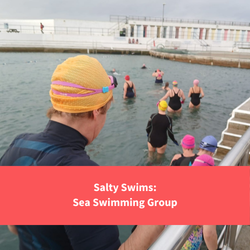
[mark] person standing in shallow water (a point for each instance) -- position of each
(175, 96)
(158, 76)
(80, 102)
(188, 156)
(195, 93)
(166, 87)
(158, 127)
(129, 90)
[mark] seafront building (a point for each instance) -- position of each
(122, 33)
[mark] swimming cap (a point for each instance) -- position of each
(209, 143)
(80, 71)
(188, 141)
(158, 70)
(175, 82)
(203, 160)
(163, 105)
(196, 82)
(127, 78)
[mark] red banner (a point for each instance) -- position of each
(127, 195)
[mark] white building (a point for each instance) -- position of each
(126, 33)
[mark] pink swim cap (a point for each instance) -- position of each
(127, 78)
(204, 160)
(196, 82)
(188, 141)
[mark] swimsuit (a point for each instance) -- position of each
(57, 145)
(175, 102)
(184, 161)
(195, 98)
(159, 128)
(130, 92)
(158, 80)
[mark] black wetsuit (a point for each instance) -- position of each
(195, 98)
(184, 161)
(143, 67)
(130, 92)
(158, 129)
(175, 102)
(57, 145)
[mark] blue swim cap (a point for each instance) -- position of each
(209, 143)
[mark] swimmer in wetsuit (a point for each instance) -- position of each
(158, 74)
(187, 157)
(175, 95)
(129, 90)
(63, 143)
(195, 93)
(159, 126)
(143, 66)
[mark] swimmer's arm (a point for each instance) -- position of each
(210, 236)
(148, 128)
(176, 157)
(162, 73)
(183, 96)
(165, 96)
(190, 92)
(124, 90)
(202, 93)
(13, 229)
(142, 238)
(154, 74)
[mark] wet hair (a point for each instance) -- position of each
(53, 112)
(166, 85)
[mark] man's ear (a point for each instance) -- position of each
(96, 112)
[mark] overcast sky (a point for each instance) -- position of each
(227, 10)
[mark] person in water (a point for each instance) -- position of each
(166, 87)
(129, 90)
(80, 101)
(196, 93)
(208, 145)
(158, 127)
(113, 71)
(188, 156)
(143, 66)
(175, 96)
(158, 76)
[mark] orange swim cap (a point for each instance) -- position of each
(86, 72)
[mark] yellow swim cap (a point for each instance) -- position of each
(163, 105)
(74, 82)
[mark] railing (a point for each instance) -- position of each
(174, 20)
(239, 154)
(185, 35)
(174, 237)
(35, 29)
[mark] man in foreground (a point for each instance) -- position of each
(81, 94)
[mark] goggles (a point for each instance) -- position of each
(198, 160)
(206, 145)
(95, 91)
